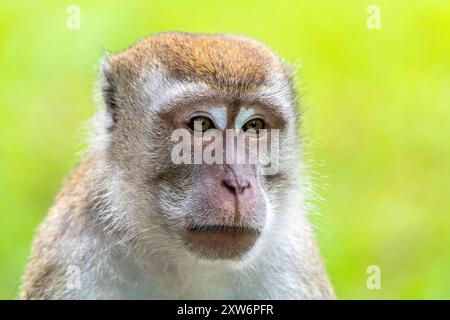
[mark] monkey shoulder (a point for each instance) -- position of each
(64, 238)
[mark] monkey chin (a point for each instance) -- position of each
(221, 242)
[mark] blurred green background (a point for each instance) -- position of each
(377, 119)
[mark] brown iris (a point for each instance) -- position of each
(202, 123)
(255, 125)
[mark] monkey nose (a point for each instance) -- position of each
(236, 186)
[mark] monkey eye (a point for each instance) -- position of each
(254, 125)
(200, 124)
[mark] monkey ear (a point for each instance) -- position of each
(109, 89)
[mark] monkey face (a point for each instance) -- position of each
(224, 208)
(185, 124)
(229, 210)
(202, 168)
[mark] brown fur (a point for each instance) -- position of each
(66, 219)
(221, 61)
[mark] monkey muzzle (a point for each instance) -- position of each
(231, 212)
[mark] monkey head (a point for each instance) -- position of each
(205, 88)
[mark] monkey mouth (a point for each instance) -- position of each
(222, 228)
(221, 241)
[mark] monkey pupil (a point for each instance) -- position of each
(204, 122)
(255, 125)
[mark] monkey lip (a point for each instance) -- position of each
(221, 241)
(222, 228)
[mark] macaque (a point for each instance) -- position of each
(142, 216)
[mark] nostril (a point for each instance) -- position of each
(236, 186)
(230, 185)
(245, 184)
